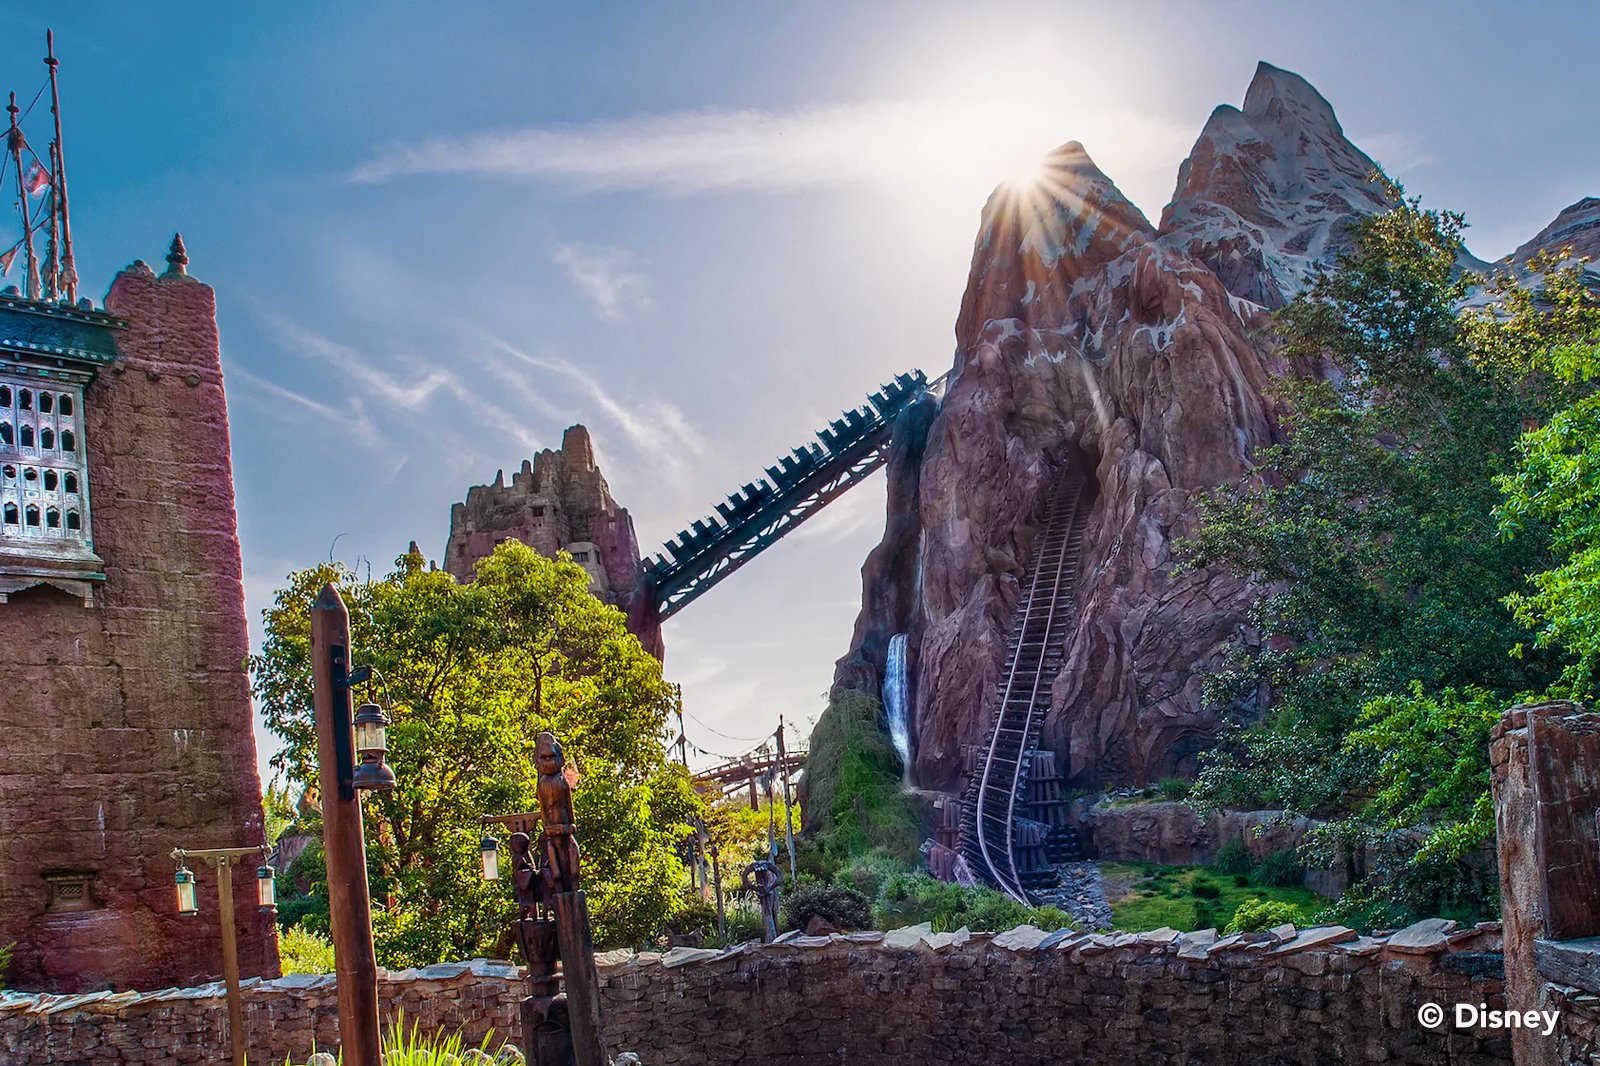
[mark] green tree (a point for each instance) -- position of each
(1372, 525)
(1556, 483)
(472, 673)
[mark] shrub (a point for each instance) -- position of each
(912, 898)
(867, 874)
(302, 951)
(844, 907)
(1256, 915)
(1241, 880)
(744, 923)
(855, 799)
(1233, 858)
(5, 961)
(1205, 915)
(1173, 788)
(1280, 870)
(695, 915)
(1207, 890)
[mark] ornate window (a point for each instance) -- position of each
(49, 354)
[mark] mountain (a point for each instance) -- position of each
(1135, 358)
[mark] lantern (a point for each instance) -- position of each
(372, 745)
(489, 852)
(266, 889)
(188, 907)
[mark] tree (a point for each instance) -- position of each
(1556, 483)
(1384, 640)
(472, 673)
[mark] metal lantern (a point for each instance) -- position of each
(372, 744)
(188, 906)
(266, 889)
(489, 852)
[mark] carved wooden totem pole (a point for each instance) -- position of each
(764, 877)
(560, 1027)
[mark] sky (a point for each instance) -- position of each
(439, 234)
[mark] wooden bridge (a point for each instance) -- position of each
(749, 770)
(795, 488)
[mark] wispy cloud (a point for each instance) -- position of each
(1395, 152)
(355, 420)
(607, 276)
(411, 395)
(655, 429)
(891, 143)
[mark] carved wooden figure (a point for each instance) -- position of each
(557, 839)
(764, 877)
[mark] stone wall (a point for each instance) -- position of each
(911, 997)
(1545, 768)
(1174, 834)
(127, 723)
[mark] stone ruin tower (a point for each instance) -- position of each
(558, 501)
(124, 702)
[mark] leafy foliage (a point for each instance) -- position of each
(1147, 896)
(5, 961)
(1556, 483)
(473, 672)
(1384, 641)
(1233, 857)
(302, 951)
(403, 1048)
(1280, 870)
(853, 780)
(1259, 915)
(843, 907)
(913, 897)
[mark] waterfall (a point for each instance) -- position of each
(895, 700)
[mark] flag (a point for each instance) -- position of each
(6, 258)
(37, 179)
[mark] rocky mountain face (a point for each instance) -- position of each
(1577, 227)
(1136, 356)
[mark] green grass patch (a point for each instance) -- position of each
(1148, 896)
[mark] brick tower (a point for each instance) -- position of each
(125, 726)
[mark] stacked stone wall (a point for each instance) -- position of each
(1314, 996)
(127, 724)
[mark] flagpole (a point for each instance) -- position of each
(14, 138)
(69, 271)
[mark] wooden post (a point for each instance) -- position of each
(230, 960)
(716, 873)
(788, 813)
(581, 978)
(354, 962)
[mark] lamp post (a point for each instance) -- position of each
(223, 860)
(340, 737)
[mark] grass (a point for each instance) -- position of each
(1147, 896)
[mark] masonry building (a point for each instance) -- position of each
(124, 702)
(559, 501)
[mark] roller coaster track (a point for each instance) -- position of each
(795, 488)
(1035, 645)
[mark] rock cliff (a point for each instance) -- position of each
(1138, 357)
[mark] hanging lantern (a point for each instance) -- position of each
(372, 744)
(489, 852)
(188, 906)
(266, 889)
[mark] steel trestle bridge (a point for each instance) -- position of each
(795, 488)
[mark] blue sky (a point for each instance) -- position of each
(441, 233)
